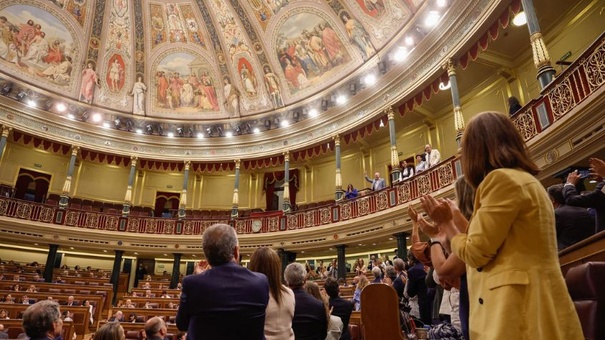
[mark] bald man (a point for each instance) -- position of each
(432, 156)
(155, 328)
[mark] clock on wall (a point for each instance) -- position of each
(257, 225)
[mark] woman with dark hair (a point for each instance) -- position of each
(110, 331)
(513, 105)
(351, 192)
(280, 310)
(516, 289)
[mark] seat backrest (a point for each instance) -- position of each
(132, 335)
(380, 313)
(585, 283)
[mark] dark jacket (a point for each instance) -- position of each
(594, 199)
(573, 224)
(343, 309)
(310, 320)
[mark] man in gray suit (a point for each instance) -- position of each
(377, 183)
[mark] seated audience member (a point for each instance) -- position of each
(118, 316)
(225, 295)
(594, 199)
(573, 224)
(310, 319)
(351, 192)
(70, 301)
(16, 288)
(8, 298)
(110, 331)
(128, 304)
(513, 105)
(148, 294)
(420, 163)
(132, 318)
(407, 171)
(25, 300)
(32, 289)
(280, 310)
(37, 278)
(42, 320)
(3, 332)
(155, 329)
(341, 282)
(165, 295)
(16, 277)
(68, 316)
(335, 324)
(377, 275)
(146, 285)
(339, 306)
(58, 280)
(3, 314)
(142, 334)
(147, 305)
(311, 274)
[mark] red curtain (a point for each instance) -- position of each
(269, 186)
(24, 180)
(160, 202)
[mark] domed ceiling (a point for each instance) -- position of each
(194, 60)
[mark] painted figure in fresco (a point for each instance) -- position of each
(115, 75)
(231, 94)
(55, 55)
(186, 94)
(358, 36)
(318, 49)
(162, 87)
(27, 32)
(272, 84)
(38, 48)
(138, 93)
(248, 81)
(89, 80)
(58, 72)
(176, 83)
(207, 88)
(332, 43)
(375, 5)
(295, 74)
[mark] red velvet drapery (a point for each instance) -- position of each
(25, 178)
(160, 202)
(269, 185)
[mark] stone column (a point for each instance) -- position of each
(5, 131)
(50, 262)
(284, 256)
(342, 263)
(115, 274)
(176, 265)
(287, 205)
(64, 200)
(402, 247)
(234, 209)
(395, 170)
(546, 73)
(339, 193)
(128, 196)
(450, 66)
(183, 202)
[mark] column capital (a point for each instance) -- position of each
(187, 164)
(390, 112)
(238, 163)
(74, 150)
(336, 139)
(450, 67)
(6, 130)
(133, 161)
(286, 156)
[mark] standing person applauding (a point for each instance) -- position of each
(516, 289)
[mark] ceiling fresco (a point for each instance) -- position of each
(194, 59)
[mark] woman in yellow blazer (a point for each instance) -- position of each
(516, 289)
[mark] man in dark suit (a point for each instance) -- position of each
(310, 321)
(594, 199)
(399, 283)
(377, 183)
(340, 307)
(70, 301)
(226, 301)
(573, 223)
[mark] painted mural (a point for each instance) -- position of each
(184, 83)
(232, 33)
(115, 76)
(309, 51)
(37, 43)
(174, 23)
(76, 8)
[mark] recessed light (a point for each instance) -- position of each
(520, 19)
(390, 239)
(170, 134)
(106, 125)
(341, 99)
(165, 254)
(71, 248)
(400, 54)
(96, 117)
(441, 3)
(104, 250)
(409, 40)
(256, 130)
(31, 103)
(285, 123)
(136, 253)
(70, 116)
(313, 113)
(229, 134)
(407, 238)
(139, 131)
(194, 255)
(370, 79)
(61, 107)
(200, 135)
(35, 244)
(432, 19)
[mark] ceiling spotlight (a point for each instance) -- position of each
(432, 19)
(382, 67)
(7, 88)
(285, 123)
(520, 19)
(129, 125)
(276, 121)
(96, 117)
(61, 107)
(179, 131)
(324, 104)
(341, 99)
(149, 128)
(370, 79)
(296, 116)
(160, 130)
(409, 40)
(209, 132)
(190, 131)
(219, 130)
(21, 95)
(139, 131)
(400, 54)
(256, 130)
(268, 124)
(229, 134)
(117, 123)
(441, 3)
(31, 103)
(353, 88)
(70, 116)
(170, 134)
(200, 135)
(313, 113)
(106, 125)
(238, 130)
(248, 128)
